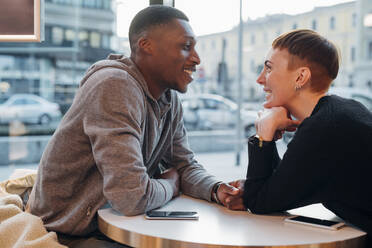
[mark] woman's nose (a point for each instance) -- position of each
(261, 78)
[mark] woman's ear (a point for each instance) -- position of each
(303, 76)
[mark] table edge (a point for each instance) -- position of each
(135, 239)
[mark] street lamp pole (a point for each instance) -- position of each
(240, 58)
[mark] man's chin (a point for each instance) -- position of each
(182, 89)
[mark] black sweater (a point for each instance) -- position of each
(328, 161)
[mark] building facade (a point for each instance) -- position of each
(77, 33)
(341, 23)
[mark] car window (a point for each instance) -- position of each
(211, 104)
(18, 102)
(3, 99)
(31, 101)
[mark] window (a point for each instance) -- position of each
(332, 23)
(95, 39)
(17, 102)
(31, 101)
(89, 3)
(107, 4)
(99, 4)
(253, 66)
(354, 19)
(57, 35)
(314, 25)
(48, 33)
(83, 38)
(54, 73)
(352, 54)
(224, 43)
(253, 39)
(106, 41)
(70, 34)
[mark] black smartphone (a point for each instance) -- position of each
(171, 215)
(327, 224)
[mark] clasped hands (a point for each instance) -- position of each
(270, 125)
(230, 195)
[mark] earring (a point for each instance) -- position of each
(297, 87)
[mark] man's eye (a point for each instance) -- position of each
(187, 47)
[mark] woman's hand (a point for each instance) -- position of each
(271, 123)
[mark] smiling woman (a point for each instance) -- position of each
(323, 154)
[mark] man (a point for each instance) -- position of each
(123, 130)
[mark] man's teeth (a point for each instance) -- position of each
(188, 71)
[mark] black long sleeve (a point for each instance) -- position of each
(328, 161)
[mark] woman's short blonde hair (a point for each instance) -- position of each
(308, 48)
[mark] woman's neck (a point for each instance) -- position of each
(303, 105)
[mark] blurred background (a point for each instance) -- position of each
(38, 81)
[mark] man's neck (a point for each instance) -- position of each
(153, 86)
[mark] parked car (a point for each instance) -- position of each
(28, 108)
(360, 95)
(210, 112)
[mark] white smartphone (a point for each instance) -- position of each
(327, 224)
(171, 215)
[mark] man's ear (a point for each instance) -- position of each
(303, 76)
(145, 45)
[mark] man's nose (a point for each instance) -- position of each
(195, 58)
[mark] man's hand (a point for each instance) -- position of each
(172, 176)
(235, 202)
(225, 191)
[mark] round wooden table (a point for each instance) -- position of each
(220, 227)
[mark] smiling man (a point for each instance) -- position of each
(123, 143)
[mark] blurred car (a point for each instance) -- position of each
(28, 108)
(360, 95)
(211, 112)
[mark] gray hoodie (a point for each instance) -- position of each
(107, 148)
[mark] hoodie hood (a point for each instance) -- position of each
(121, 62)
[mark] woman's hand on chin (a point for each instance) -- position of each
(271, 123)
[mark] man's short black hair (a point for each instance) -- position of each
(151, 16)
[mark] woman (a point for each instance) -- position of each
(329, 160)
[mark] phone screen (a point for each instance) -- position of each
(155, 214)
(314, 221)
(327, 224)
